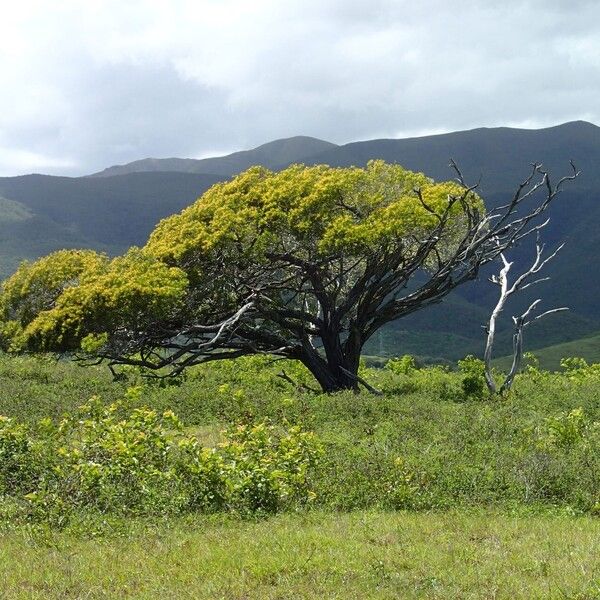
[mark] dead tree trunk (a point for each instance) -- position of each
(522, 282)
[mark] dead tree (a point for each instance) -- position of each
(507, 289)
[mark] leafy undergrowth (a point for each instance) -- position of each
(136, 461)
(433, 440)
(367, 555)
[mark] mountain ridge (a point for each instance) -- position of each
(294, 149)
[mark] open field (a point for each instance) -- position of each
(426, 491)
(450, 555)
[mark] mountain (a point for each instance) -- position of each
(271, 155)
(40, 213)
(120, 206)
(500, 155)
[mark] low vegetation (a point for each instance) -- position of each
(366, 554)
(432, 489)
(233, 431)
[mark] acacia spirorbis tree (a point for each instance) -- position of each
(306, 263)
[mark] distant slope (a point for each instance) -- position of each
(550, 357)
(499, 155)
(39, 213)
(454, 328)
(25, 235)
(271, 155)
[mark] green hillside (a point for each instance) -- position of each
(25, 235)
(587, 348)
(40, 214)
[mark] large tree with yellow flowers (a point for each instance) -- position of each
(306, 263)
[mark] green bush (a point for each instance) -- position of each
(265, 468)
(578, 370)
(19, 467)
(407, 488)
(473, 380)
(138, 461)
(568, 429)
(402, 366)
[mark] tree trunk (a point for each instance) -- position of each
(335, 371)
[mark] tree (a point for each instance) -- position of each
(525, 280)
(306, 264)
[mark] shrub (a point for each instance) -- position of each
(535, 448)
(407, 488)
(473, 379)
(567, 429)
(139, 461)
(266, 468)
(562, 461)
(402, 366)
(18, 467)
(578, 370)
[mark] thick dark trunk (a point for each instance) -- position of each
(337, 370)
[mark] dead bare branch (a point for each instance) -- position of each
(521, 282)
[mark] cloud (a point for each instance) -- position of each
(86, 85)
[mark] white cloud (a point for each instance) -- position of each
(24, 160)
(89, 84)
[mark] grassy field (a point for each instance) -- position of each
(359, 555)
(427, 491)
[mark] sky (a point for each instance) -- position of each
(86, 85)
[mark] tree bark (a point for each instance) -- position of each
(336, 371)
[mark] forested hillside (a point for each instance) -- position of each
(40, 213)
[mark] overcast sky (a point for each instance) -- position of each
(85, 85)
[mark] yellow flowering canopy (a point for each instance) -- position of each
(314, 211)
(69, 295)
(34, 288)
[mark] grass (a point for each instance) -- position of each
(316, 555)
(498, 509)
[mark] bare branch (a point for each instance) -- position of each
(521, 282)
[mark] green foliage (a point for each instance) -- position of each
(266, 469)
(18, 458)
(577, 369)
(308, 204)
(403, 365)
(567, 429)
(112, 458)
(35, 288)
(407, 488)
(473, 381)
(69, 296)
